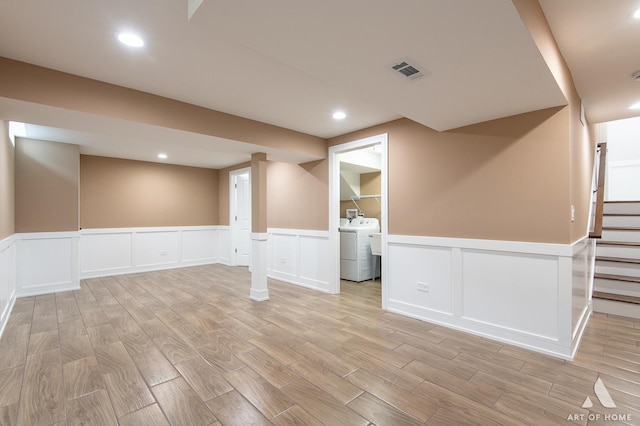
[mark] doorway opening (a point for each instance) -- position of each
(362, 162)
(240, 216)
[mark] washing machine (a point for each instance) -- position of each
(355, 248)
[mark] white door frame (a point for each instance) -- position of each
(233, 205)
(334, 208)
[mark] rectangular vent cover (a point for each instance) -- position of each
(408, 68)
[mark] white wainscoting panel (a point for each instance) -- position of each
(104, 253)
(156, 249)
(299, 257)
(514, 291)
(421, 266)
(199, 245)
(313, 260)
(128, 250)
(583, 268)
(284, 250)
(7, 279)
(46, 262)
(224, 245)
(525, 294)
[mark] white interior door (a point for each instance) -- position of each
(241, 216)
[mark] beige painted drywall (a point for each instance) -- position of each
(116, 193)
(46, 186)
(7, 194)
(31, 83)
(259, 192)
(582, 143)
(470, 182)
(506, 179)
(298, 195)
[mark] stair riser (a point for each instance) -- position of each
(625, 221)
(616, 308)
(622, 208)
(618, 251)
(618, 268)
(622, 235)
(616, 287)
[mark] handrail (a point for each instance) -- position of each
(597, 223)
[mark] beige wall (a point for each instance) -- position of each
(582, 145)
(513, 179)
(298, 195)
(117, 193)
(7, 196)
(505, 179)
(370, 184)
(46, 186)
(259, 192)
(31, 83)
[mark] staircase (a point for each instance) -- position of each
(616, 288)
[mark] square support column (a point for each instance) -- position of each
(259, 291)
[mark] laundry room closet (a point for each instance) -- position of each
(360, 214)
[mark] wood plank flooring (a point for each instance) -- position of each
(188, 347)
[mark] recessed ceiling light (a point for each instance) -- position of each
(339, 115)
(637, 14)
(162, 156)
(131, 39)
(635, 106)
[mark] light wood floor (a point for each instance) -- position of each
(188, 347)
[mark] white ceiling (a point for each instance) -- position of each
(599, 41)
(290, 64)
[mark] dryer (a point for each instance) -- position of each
(355, 248)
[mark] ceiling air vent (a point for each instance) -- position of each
(408, 68)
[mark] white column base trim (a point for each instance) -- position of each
(259, 291)
(259, 295)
